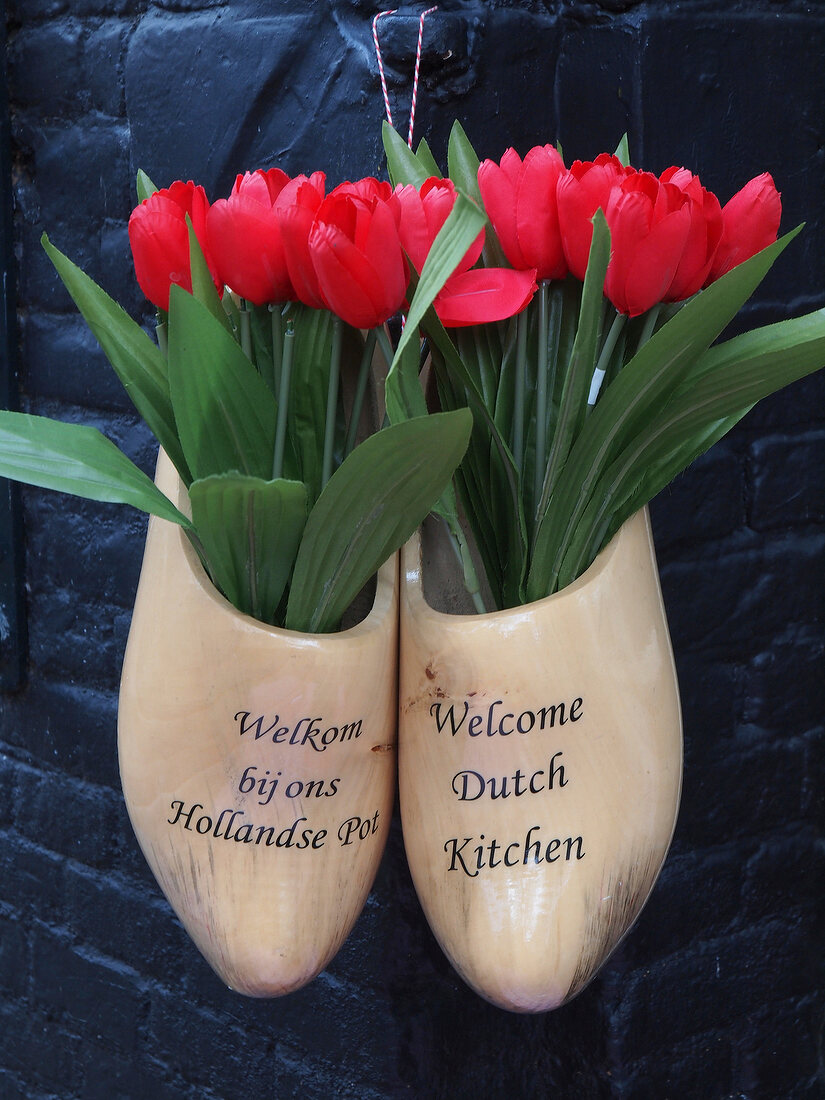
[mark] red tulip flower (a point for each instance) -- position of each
(358, 260)
(295, 210)
(585, 188)
(245, 238)
(469, 297)
(520, 200)
(159, 238)
(750, 222)
(649, 224)
(703, 235)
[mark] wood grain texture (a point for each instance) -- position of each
(268, 878)
(540, 762)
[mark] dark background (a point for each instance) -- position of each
(717, 993)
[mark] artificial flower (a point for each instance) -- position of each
(357, 257)
(159, 237)
(649, 223)
(703, 235)
(520, 200)
(469, 297)
(581, 191)
(750, 222)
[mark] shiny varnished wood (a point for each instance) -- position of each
(540, 762)
(268, 878)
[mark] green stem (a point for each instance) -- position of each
(332, 398)
(541, 393)
(385, 345)
(468, 569)
(360, 390)
(277, 341)
(283, 403)
(604, 357)
(522, 323)
(162, 333)
(651, 318)
(549, 328)
(246, 331)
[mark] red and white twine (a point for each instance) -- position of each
(380, 15)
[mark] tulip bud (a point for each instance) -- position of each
(159, 238)
(520, 200)
(750, 222)
(245, 238)
(703, 235)
(357, 256)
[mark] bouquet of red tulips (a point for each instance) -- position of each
(266, 301)
(579, 377)
(605, 386)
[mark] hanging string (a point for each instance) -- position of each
(424, 15)
(380, 15)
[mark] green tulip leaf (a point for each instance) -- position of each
(144, 186)
(632, 400)
(224, 410)
(203, 285)
(454, 238)
(720, 388)
(462, 166)
(77, 459)
(402, 164)
(623, 151)
(308, 391)
(250, 530)
(137, 361)
(427, 160)
(579, 373)
(369, 507)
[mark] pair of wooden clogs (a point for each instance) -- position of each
(539, 768)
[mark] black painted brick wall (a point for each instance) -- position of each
(718, 991)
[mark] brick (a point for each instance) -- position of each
(783, 690)
(67, 363)
(605, 109)
(787, 479)
(686, 1070)
(35, 1047)
(55, 812)
(44, 67)
(96, 996)
(136, 927)
(14, 957)
(755, 590)
(126, 1077)
(32, 879)
(69, 728)
(742, 795)
(706, 502)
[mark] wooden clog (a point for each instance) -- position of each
(540, 762)
(258, 765)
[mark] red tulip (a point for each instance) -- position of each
(468, 297)
(581, 191)
(357, 256)
(245, 238)
(295, 210)
(703, 235)
(159, 238)
(422, 213)
(649, 223)
(750, 222)
(520, 199)
(368, 188)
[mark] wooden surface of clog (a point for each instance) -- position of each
(540, 753)
(258, 765)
